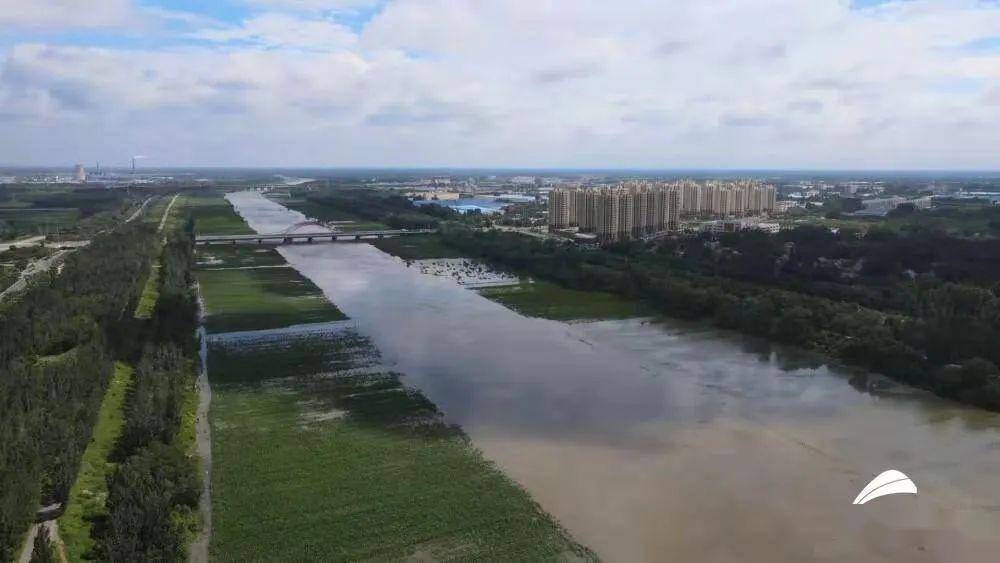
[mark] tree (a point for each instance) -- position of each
(43, 551)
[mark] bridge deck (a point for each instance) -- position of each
(289, 238)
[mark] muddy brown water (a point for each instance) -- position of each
(660, 441)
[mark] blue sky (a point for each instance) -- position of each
(635, 83)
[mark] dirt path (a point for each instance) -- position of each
(203, 437)
(166, 214)
(29, 543)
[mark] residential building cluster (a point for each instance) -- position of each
(720, 200)
(635, 209)
(628, 210)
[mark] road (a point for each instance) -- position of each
(139, 211)
(44, 264)
(30, 241)
(34, 268)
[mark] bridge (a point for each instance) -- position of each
(308, 237)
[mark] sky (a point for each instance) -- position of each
(825, 84)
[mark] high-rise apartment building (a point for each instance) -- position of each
(639, 208)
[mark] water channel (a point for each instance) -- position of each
(654, 441)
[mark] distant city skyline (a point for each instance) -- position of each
(861, 85)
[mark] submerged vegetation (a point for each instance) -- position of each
(342, 447)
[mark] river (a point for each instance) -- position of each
(655, 441)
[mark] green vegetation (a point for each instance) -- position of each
(89, 493)
(417, 247)
(57, 344)
(894, 311)
(243, 290)
(213, 215)
(154, 492)
(14, 260)
(61, 405)
(150, 292)
(253, 299)
(957, 219)
(321, 456)
(61, 211)
(237, 256)
(382, 207)
(551, 301)
(324, 213)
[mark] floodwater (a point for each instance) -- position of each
(660, 441)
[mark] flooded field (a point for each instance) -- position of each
(665, 441)
(320, 452)
(465, 272)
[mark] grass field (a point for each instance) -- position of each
(150, 293)
(89, 492)
(214, 215)
(550, 301)
(417, 247)
(320, 455)
(254, 299)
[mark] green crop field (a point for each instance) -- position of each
(89, 492)
(319, 455)
(241, 285)
(550, 301)
(417, 247)
(214, 215)
(253, 299)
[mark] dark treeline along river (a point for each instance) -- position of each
(665, 441)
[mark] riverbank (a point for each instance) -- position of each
(321, 452)
(527, 296)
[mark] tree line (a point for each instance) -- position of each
(153, 494)
(57, 345)
(944, 341)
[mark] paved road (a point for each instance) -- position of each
(32, 270)
(30, 241)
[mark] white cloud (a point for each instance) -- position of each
(314, 5)
(532, 82)
(65, 13)
(281, 31)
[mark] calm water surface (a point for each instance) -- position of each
(662, 441)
